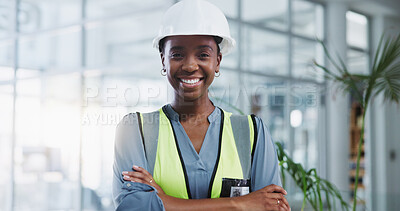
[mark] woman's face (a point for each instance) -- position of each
(191, 62)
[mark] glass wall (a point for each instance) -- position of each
(6, 132)
(80, 66)
(7, 58)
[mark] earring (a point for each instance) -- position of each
(217, 74)
(163, 72)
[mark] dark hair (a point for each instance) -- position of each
(217, 39)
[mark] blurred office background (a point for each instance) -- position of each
(71, 69)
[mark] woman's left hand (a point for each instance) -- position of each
(142, 176)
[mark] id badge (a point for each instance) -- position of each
(239, 191)
(234, 187)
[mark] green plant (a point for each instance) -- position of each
(384, 78)
(310, 183)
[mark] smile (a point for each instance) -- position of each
(190, 81)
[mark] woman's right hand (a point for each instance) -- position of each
(141, 175)
(270, 197)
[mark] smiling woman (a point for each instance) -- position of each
(190, 149)
(191, 62)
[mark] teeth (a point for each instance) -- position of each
(191, 81)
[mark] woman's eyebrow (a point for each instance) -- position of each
(177, 48)
(205, 46)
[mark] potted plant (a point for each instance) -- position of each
(384, 77)
(315, 189)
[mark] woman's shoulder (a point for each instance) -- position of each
(131, 119)
(128, 119)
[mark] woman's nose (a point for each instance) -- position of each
(190, 64)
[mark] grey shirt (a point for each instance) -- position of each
(199, 166)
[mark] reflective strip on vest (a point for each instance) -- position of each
(229, 164)
(251, 128)
(169, 172)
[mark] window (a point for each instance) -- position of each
(357, 41)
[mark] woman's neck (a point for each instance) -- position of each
(193, 109)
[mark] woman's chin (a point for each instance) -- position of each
(189, 97)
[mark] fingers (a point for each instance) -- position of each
(285, 202)
(139, 175)
(281, 198)
(276, 189)
(285, 207)
(275, 196)
(281, 206)
(142, 176)
(140, 169)
(276, 193)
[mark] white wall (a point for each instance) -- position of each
(392, 146)
(385, 133)
(337, 103)
(392, 156)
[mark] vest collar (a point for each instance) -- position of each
(173, 115)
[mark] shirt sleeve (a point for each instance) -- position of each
(128, 151)
(265, 168)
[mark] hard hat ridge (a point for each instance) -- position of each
(196, 17)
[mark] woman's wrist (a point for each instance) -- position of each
(235, 203)
(219, 204)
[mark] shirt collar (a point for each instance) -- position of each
(173, 115)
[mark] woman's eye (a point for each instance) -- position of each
(176, 55)
(204, 55)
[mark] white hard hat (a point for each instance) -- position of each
(196, 17)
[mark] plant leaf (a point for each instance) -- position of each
(389, 83)
(330, 59)
(389, 53)
(309, 182)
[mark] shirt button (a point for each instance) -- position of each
(129, 184)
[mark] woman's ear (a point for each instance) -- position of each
(162, 59)
(219, 58)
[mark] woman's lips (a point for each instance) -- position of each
(191, 83)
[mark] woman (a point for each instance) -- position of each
(181, 154)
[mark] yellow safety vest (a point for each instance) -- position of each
(235, 153)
